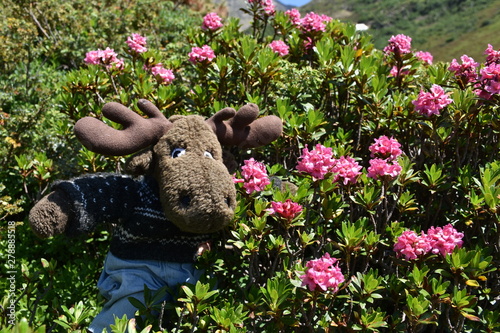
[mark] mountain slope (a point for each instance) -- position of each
(446, 28)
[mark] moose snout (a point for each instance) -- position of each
(200, 198)
(203, 212)
(186, 199)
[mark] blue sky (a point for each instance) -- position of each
(296, 3)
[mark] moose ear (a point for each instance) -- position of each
(140, 163)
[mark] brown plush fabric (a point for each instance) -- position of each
(196, 190)
(50, 215)
(140, 163)
(137, 132)
(242, 129)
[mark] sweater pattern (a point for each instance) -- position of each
(141, 230)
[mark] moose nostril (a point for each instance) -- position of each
(185, 200)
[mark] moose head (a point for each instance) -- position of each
(183, 154)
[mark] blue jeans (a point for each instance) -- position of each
(121, 279)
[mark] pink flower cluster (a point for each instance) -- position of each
(411, 246)
(400, 44)
(467, 71)
(443, 240)
(317, 162)
(424, 56)
(490, 79)
(106, 57)
(490, 75)
(386, 148)
(280, 47)
(384, 152)
(487, 82)
(163, 75)
(137, 43)
(255, 176)
(294, 16)
(322, 274)
(267, 5)
(211, 22)
(492, 55)
(201, 54)
(346, 170)
(429, 103)
(312, 22)
(381, 168)
(287, 210)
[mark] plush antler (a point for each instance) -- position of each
(137, 132)
(243, 129)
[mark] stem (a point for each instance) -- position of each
(385, 205)
(310, 317)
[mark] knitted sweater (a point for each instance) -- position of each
(142, 230)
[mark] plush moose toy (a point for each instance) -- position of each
(178, 194)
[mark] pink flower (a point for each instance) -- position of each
(308, 43)
(106, 57)
(279, 47)
(492, 55)
(137, 43)
(444, 240)
(322, 274)
(165, 76)
(386, 148)
(326, 18)
(411, 246)
(429, 103)
(490, 78)
(396, 71)
(255, 176)
(346, 169)
(317, 162)
(201, 54)
(287, 210)
(399, 44)
(467, 71)
(424, 56)
(380, 168)
(267, 5)
(212, 22)
(314, 22)
(93, 57)
(437, 240)
(294, 16)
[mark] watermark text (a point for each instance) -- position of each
(11, 272)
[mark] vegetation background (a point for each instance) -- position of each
(339, 94)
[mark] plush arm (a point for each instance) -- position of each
(78, 205)
(51, 214)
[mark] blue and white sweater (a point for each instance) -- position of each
(142, 231)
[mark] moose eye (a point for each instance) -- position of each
(177, 152)
(208, 154)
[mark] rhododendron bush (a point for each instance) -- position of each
(377, 210)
